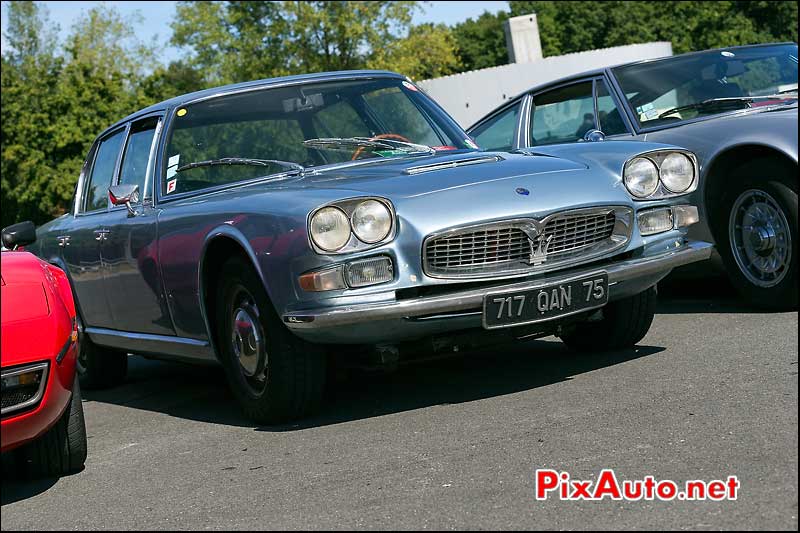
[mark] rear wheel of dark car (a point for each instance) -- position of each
(624, 323)
(100, 367)
(756, 233)
(62, 449)
(275, 376)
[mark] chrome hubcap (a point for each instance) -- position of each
(248, 343)
(760, 238)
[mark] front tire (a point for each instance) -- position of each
(757, 236)
(625, 322)
(62, 450)
(275, 376)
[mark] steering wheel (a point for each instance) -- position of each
(395, 136)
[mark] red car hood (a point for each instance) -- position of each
(31, 330)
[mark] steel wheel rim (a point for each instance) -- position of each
(760, 237)
(248, 343)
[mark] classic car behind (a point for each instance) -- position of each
(42, 426)
(258, 224)
(735, 108)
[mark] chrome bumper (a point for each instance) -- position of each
(625, 278)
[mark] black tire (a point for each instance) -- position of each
(62, 450)
(100, 367)
(287, 383)
(767, 178)
(625, 322)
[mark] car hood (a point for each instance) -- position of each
(24, 293)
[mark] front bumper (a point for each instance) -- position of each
(397, 320)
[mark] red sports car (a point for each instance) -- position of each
(42, 416)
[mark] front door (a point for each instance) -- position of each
(129, 251)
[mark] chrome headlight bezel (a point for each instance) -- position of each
(354, 243)
(657, 157)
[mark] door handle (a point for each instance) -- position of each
(101, 234)
(63, 240)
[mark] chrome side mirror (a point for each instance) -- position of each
(594, 135)
(124, 195)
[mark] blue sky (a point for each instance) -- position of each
(158, 15)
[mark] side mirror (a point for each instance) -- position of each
(594, 135)
(126, 195)
(20, 234)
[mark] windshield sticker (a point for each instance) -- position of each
(182, 111)
(444, 148)
(174, 160)
(651, 114)
(171, 185)
(410, 86)
(171, 171)
(643, 109)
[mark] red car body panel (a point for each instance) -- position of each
(38, 322)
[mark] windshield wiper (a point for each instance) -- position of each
(333, 143)
(243, 161)
(732, 101)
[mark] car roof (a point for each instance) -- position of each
(601, 71)
(255, 84)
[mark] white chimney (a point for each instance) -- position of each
(522, 39)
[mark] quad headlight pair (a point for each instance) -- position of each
(351, 225)
(660, 174)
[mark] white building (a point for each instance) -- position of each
(470, 95)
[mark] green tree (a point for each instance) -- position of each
(566, 27)
(53, 104)
(481, 43)
(237, 41)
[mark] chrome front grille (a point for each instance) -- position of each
(572, 232)
(525, 245)
(474, 249)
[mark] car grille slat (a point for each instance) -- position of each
(498, 248)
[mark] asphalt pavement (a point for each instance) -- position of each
(454, 444)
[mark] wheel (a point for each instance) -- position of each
(275, 376)
(100, 367)
(625, 322)
(757, 235)
(62, 450)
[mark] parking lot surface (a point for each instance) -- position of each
(453, 444)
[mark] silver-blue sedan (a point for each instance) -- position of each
(258, 224)
(735, 108)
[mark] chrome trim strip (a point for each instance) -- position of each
(533, 228)
(44, 366)
(471, 299)
(419, 169)
(180, 347)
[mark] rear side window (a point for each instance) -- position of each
(137, 153)
(497, 133)
(103, 172)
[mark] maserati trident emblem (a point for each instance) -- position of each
(523, 191)
(539, 250)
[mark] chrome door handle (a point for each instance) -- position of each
(101, 234)
(63, 240)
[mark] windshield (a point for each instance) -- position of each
(265, 132)
(709, 83)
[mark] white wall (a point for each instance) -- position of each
(470, 95)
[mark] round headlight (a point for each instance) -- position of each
(677, 172)
(330, 229)
(372, 221)
(641, 177)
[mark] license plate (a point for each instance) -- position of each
(501, 310)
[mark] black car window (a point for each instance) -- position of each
(497, 133)
(401, 117)
(137, 153)
(608, 115)
(562, 115)
(103, 172)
